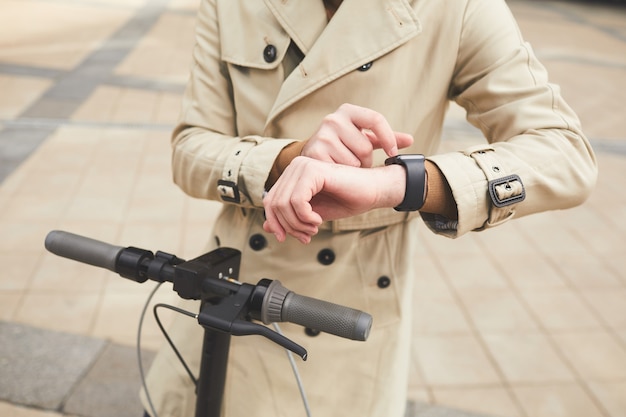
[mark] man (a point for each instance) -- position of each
(303, 99)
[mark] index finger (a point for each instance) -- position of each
(383, 135)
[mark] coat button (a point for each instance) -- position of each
(311, 332)
(269, 53)
(257, 242)
(326, 256)
(365, 67)
(383, 282)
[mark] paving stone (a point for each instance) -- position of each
(39, 367)
(16, 144)
(111, 388)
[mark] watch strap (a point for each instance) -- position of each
(415, 192)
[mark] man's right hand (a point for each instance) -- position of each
(347, 136)
(350, 134)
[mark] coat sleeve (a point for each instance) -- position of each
(537, 157)
(209, 159)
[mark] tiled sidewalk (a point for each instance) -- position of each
(528, 321)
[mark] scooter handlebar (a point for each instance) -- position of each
(83, 249)
(281, 304)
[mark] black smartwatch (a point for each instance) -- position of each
(415, 192)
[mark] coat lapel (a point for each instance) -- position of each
(360, 32)
(304, 20)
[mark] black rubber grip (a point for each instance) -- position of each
(83, 249)
(326, 317)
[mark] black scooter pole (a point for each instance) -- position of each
(211, 381)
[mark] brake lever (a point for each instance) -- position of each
(245, 328)
(225, 316)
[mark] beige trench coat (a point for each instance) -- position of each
(264, 75)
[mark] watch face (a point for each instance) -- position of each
(411, 157)
(400, 159)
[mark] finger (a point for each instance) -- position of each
(271, 223)
(275, 229)
(403, 140)
(287, 205)
(278, 216)
(364, 118)
(295, 213)
(344, 152)
(360, 145)
(274, 219)
(307, 219)
(297, 229)
(340, 141)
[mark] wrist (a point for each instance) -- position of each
(439, 199)
(284, 158)
(391, 183)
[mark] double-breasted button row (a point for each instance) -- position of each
(270, 53)
(325, 257)
(258, 242)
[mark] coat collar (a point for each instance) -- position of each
(360, 32)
